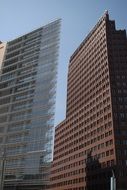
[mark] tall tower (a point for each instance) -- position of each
(27, 101)
(91, 143)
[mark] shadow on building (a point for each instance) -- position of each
(97, 175)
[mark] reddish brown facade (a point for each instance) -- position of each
(92, 140)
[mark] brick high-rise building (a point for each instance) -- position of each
(91, 143)
(28, 71)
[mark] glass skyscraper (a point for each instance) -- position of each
(27, 100)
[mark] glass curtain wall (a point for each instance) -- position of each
(27, 102)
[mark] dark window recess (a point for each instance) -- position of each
(6, 70)
(3, 85)
(3, 119)
(6, 63)
(15, 41)
(13, 48)
(4, 101)
(12, 54)
(5, 92)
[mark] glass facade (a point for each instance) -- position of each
(27, 102)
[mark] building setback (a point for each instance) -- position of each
(91, 143)
(27, 99)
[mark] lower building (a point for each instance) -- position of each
(91, 143)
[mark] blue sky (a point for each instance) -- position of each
(18, 17)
